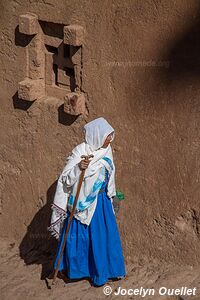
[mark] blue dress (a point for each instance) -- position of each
(93, 250)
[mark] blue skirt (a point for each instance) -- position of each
(93, 250)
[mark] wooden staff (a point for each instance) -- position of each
(71, 215)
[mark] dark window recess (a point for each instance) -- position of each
(69, 72)
(55, 69)
(51, 49)
(52, 29)
(66, 50)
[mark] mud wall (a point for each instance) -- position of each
(140, 71)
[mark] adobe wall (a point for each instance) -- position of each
(139, 68)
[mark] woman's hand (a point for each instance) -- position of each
(83, 164)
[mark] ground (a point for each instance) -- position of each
(22, 281)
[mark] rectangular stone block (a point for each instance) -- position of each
(77, 71)
(74, 35)
(28, 23)
(52, 41)
(74, 103)
(63, 78)
(31, 90)
(36, 57)
(49, 73)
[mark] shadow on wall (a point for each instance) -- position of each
(38, 246)
(21, 104)
(183, 53)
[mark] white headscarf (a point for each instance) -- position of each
(96, 132)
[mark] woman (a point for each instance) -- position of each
(93, 247)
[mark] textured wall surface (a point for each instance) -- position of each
(141, 68)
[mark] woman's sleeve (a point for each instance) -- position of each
(71, 176)
(71, 171)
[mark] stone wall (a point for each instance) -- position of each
(138, 66)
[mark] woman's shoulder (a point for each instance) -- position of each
(80, 148)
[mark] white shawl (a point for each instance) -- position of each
(96, 132)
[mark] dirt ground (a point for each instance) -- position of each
(33, 281)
